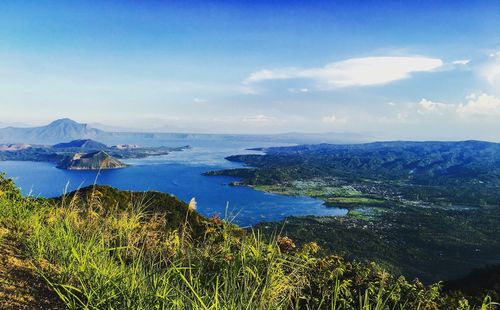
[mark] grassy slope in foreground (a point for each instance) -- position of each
(108, 249)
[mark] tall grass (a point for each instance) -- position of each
(96, 256)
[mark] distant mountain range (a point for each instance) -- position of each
(67, 130)
(59, 130)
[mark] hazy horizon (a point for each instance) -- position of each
(409, 71)
(314, 137)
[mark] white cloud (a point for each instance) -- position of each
(480, 105)
(353, 72)
(477, 106)
(199, 100)
(426, 106)
(397, 118)
(248, 90)
(298, 90)
(259, 119)
(462, 62)
(333, 119)
(402, 117)
(490, 71)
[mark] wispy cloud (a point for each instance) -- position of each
(333, 119)
(199, 100)
(461, 62)
(364, 71)
(299, 90)
(491, 71)
(259, 119)
(398, 118)
(428, 106)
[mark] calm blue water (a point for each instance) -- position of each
(178, 173)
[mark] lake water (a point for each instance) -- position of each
(179, 173)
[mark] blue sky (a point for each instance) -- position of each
(395, 70)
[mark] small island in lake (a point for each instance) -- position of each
(91, 161)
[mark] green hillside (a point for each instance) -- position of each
(422, 209)
(101, 248)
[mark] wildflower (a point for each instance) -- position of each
(192, 204)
